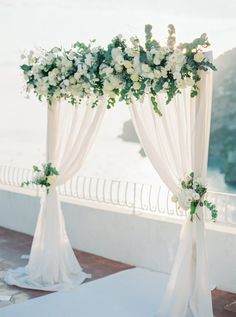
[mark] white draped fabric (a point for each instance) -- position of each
(52, 263)
(177, 144)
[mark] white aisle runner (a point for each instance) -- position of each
(131, 293)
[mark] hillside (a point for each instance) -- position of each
(222, 152)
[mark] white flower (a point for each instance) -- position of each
(157, 73)
(106, 70)
(177, 75)
(71, 55)
(166, 85)
(66, 63)
(147, 89)
(156, 60)
(196, 196)
(136, 86)
(117, 56)
(38, 176)
(181, 84)
(42, 88)
(131, 52)
(118, 68)
(145, 68)
(89, 59)
(134, 77)
(164, 73)
(55, 50)
(72, 80)
(51, 179)
(199, 57)
(174, 199)
(111, 94)
(66, 82)
(130, 71)
(110, 84)
(77, 75)
(189, 81)
(127, 64)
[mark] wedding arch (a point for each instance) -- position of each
(168, 89)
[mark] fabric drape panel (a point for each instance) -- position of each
(177, 144)
(70, 133)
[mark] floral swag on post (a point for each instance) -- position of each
(119, 72)
(43, 176)
(192, 195)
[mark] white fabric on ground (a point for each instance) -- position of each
(177, 144)
(52, 264)
(131, 293)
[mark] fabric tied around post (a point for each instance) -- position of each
(52, 265)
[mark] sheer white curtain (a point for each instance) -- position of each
(52, 263)
(177, 144)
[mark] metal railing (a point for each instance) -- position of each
(135, 197)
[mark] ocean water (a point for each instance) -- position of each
(26, 24)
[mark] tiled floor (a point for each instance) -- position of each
(14, 244)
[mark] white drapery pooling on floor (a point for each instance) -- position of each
(52, 263)
(177, 144)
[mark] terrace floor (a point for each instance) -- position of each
(14, 244)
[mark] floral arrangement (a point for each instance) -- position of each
(192, 195)
(44, 176)
(120, 72)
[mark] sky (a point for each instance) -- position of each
(30, 23)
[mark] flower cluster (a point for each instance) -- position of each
(192, 195)
(120, 72)
(44, 176)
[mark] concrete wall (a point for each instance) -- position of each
(139, 240)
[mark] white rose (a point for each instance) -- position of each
(72, 81)
(118, 68)
(111, 94)
(164, 73)
(89, 59)
(150, 75)
(196, 196)
(134, 77)
(156, 60)
(177, 75)
(127, 64)
(147, 89)
(136, 86)
(116, 55)
(189, 81)
(181, 84)
(174, 199)
(199, 57)
(157, 73)
(166, 85)
(145, 68)
(51, 179)
(130, 71)
(77, 76)
(66, 82)
(71, 55)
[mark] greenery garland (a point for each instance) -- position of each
(120, 72)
